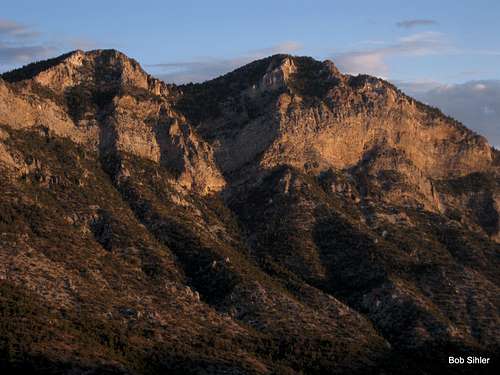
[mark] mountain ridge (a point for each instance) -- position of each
(281, 219)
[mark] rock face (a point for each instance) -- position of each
(106, 101)
(283, 218)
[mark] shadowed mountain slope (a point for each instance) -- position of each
(281, 219)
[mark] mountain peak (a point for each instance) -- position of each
(33, 69)
(282, 203)
(107, 67)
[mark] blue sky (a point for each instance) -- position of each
(453, 41)
(422, 46)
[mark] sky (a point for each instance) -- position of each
(445, 53)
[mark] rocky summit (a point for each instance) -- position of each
(284, 218)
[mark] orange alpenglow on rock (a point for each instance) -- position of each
(283, 218)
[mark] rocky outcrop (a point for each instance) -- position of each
(190, 157)
(283, 218)
(106, 101)
(315, 119)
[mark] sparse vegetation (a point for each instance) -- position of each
(111, 263)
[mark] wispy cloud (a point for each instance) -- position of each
(81, 43)
(417, 87)
(16, 30)
(15, 54)
(285, 47)
(408, 24)
(373, 60)
(21, 44)
(370, 61)
(18, 44)
(474, 103)
(204, 68)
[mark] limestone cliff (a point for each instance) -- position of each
(106, 101)
(306, 114)
(284, 218)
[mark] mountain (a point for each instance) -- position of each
(281, 219)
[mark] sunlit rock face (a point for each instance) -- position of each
(283, 218)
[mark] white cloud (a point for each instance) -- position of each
(479, 87)
(17, 45)
(418, 86)
(475, 103)
(370, 62)
(373, 61)
(21, 53)
(285, 47)
(205, 68)
(16, 30)
(21, 44)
